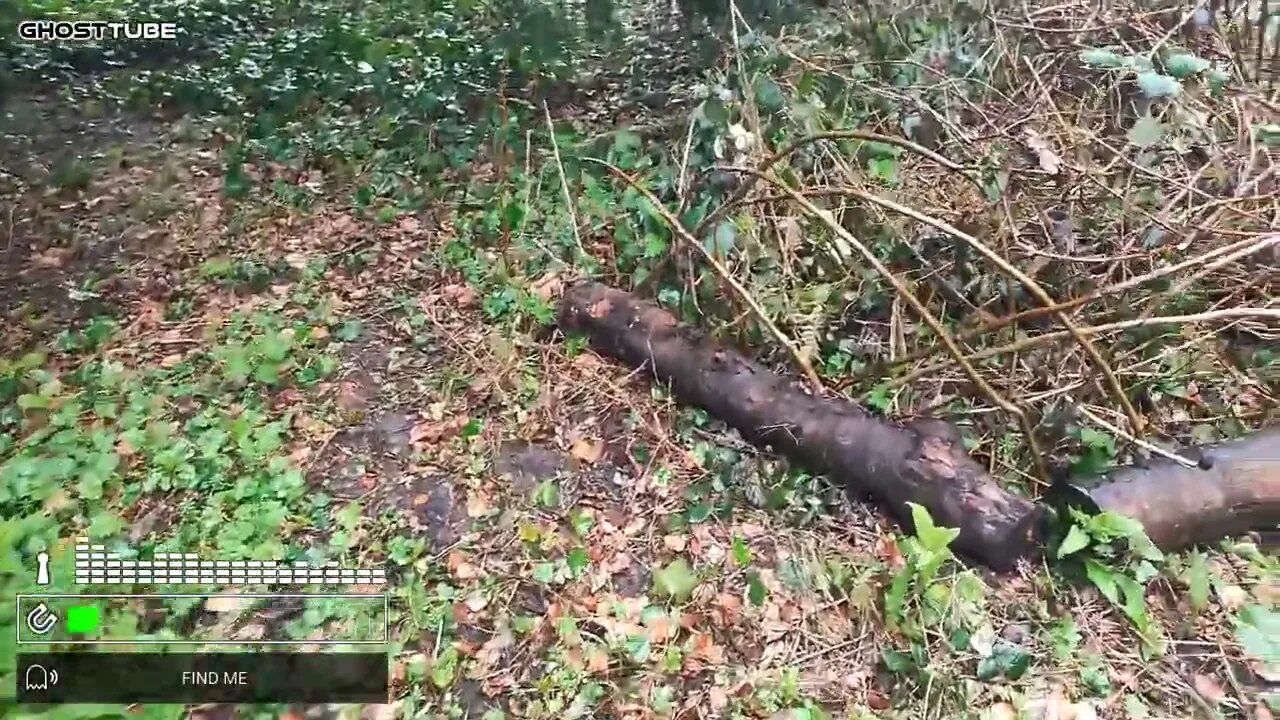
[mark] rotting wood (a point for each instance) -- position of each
(922, 462)
(1235, 489)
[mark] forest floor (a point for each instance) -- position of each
(256, 376)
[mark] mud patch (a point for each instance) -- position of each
(365, 457)
(74, 184)
(430, 507)
(528, 465)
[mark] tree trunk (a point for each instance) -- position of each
(894, 464)
(1236, 489)
(924, 461)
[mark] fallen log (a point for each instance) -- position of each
(1236, 489)
(894, 464)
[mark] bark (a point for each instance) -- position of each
(1180, 506)
(1236, 488)
(923, 462)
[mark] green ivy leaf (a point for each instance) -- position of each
(675, 581)
(578, 560)
(1102, 57)
(931, 536)
(756, 591)
(884, 169)
(1184, 65)
(1258, 631)
(1104, 579)
(1147, 131)
(741, 553)
(1198, 581)
(1075, 541)
(445, 668)
(1155, 85)
(724, 239)
(769, 94)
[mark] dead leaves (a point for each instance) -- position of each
(430, 432)
(460, 296)
(588, 451)
(1208, 688)
(705, 649)
(460, 567)
(1049, 160)
(549, 287)
(53, 258)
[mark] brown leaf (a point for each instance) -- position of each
(728, 609)
(675, 543)
(1208, 688)
(597, 661)
(1002, 711)
(478, 504)
(462, 296)
(53, 257)
(1048, 159)
(706, 649)
(588, 451)
(660, 628)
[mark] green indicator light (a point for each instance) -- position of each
(82, 618)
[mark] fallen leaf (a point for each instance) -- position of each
(224, 604)
(53, 257)
(597, 661)
(1002, 711)
(728, 610)
(718, 699)
(462, 296)
(588, 451)
(1232, 597)
(409, 224)
(675, 543)
(1208, 688)
(478, 504)
(549, 286)
(706, 649)
(660, 628)
(1048, 159)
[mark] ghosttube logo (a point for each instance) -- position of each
(94, 30)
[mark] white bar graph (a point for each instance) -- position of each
(96, 566)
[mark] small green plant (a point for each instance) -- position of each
(1119, 561)
(919, 599)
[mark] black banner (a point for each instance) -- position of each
(166, 678)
